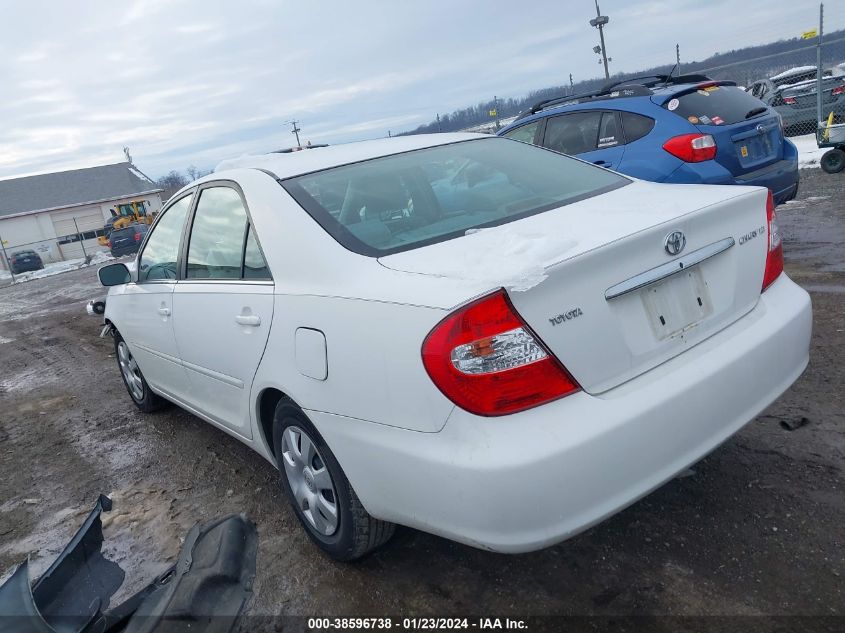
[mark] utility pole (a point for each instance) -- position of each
(678, 58)
(599, 22)
(439, 127)
(389, 135)
(127, 155)
(819, 114)
(571, 85)
(496, 110)
(295, 131)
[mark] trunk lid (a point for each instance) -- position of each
(558, 267)
(804, 95)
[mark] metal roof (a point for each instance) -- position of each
(72, 188)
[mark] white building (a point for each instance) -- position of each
(60, 215)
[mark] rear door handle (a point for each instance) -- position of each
(164, 311)
(248, 319)
(599, 162)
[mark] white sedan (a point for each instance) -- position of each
(464, 334)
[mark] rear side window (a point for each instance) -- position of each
(254, 265)
(525, 133)
(573, 133)
(714, 105)
(217, 235)
(636, 126)
(609, 133)
(397, 203)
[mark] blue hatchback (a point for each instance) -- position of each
(686, 129)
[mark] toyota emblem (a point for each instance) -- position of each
(674, 242)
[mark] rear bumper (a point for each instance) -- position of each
(26, 267)
(781, 178)
(529, 480)
(806, 116)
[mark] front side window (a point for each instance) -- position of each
(161, 252)
(396, 203)
(525, 133)
(216, 246)
(573, 133)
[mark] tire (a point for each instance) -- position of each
(351, 532)
(138, 389)
(833, 161)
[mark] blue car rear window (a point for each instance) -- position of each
(714, 105)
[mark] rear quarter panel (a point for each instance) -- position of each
(375, 371)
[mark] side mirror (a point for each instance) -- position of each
(114, 275)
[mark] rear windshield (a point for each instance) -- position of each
(396, 203)
(714, 105)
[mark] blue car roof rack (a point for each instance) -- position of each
(632, 87)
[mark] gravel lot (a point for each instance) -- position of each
(758, 527)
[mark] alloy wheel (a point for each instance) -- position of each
(310, 480)
(131, 371)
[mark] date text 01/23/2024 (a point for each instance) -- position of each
(417, 624)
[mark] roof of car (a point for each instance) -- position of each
(293, 164)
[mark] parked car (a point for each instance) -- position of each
(23, 261)
(800, 103)
(793, 95)
(685, 129)
(480, 338)
(127, 240)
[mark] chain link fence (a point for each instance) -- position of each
(787, 81)
(27, 260)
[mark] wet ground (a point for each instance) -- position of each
(758, 527)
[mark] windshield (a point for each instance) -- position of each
(715, 105)
(396, 203)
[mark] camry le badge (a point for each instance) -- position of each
(674, 242)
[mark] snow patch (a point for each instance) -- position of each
(139, 175)
(809, 153)
(503, 256)
(57, 268)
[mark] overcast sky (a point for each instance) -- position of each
(190, 82)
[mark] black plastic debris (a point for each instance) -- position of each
(794, 424)
(206, 590)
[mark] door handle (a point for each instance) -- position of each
(164, 311)
(599, 162)
(248, 319)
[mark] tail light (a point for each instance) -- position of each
(137, 237)
(839, 90)
(485, 359)
(790, 100)
(108, 243)
(692, 148)
(774, 257)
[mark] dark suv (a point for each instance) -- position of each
(127, 240)
(23, 261)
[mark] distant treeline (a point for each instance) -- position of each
(743, 66)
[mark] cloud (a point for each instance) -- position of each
(184, 82)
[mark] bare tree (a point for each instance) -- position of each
(193, 172)
(171, 183)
